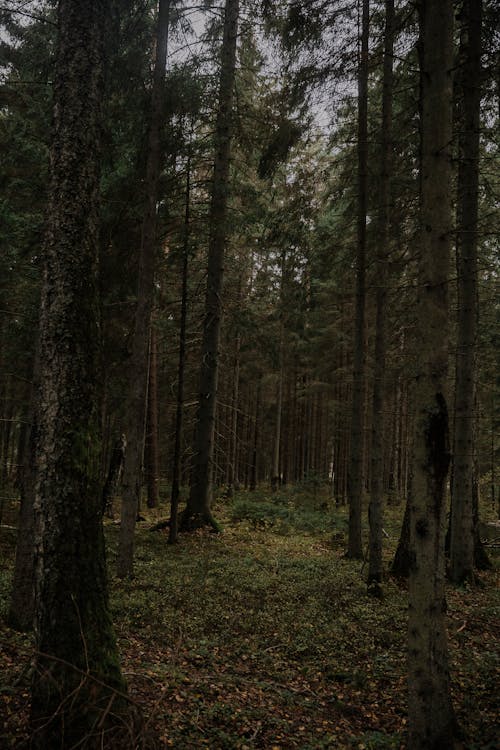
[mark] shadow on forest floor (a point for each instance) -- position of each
(263, 637)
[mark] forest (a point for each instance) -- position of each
(249, 374)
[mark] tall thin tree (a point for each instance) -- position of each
(356, 460)
(375, 570)
(469, 92)
(198, 507)
(138, 366)
(181, 367)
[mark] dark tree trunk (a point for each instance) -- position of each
(431, 718)
(355, 482)
(233, 476)
(198, 510)
(401, 564)
(138, 365)
(151, 444)
(77, 674)
(375, 567)
(255, 441)
(115, 469)
(463, 481)
(181, 367)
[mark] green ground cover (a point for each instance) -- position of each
(264, 637)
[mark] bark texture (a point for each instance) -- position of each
(375, 568)
(355, 479)
(138, 366)
(198, 507)
(469, 92)
(77, 673)
(431, 718)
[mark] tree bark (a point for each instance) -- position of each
(77, 673)
(138, 365)
(469, 92)
(198, 510)
(375, 567)
(432, 723)
(151, 444)
(115, 469)
(181, 367)
(355, 481)
(233, 481)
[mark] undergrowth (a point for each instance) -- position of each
(263, 636)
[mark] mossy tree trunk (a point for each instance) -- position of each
(431, 718)
(77, 676)
(198, 510)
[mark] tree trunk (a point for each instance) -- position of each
(115, 469)
(77, 675)
(151, 445)
(275, 474)
(431, 718)
(355, 473)
(375, 567)
(181, 367)
(198, 510)
(233, 476)
(255, 441)
(138, 365)
(469, 92)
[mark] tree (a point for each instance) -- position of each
(377, 458)
(355, 473)
(77, 674)
(431, 718)
(138, 367)
(198, 506)
(464, 471)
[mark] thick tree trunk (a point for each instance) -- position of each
(431, 717)
(469, 92)
(355, 480)
(198, 511)
(77, 676)
(375, 567)
(138, 365)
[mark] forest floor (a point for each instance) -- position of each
(263, 636)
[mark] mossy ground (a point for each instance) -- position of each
(263, 636)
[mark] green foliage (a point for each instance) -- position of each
(287, 511)
(260, 638)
